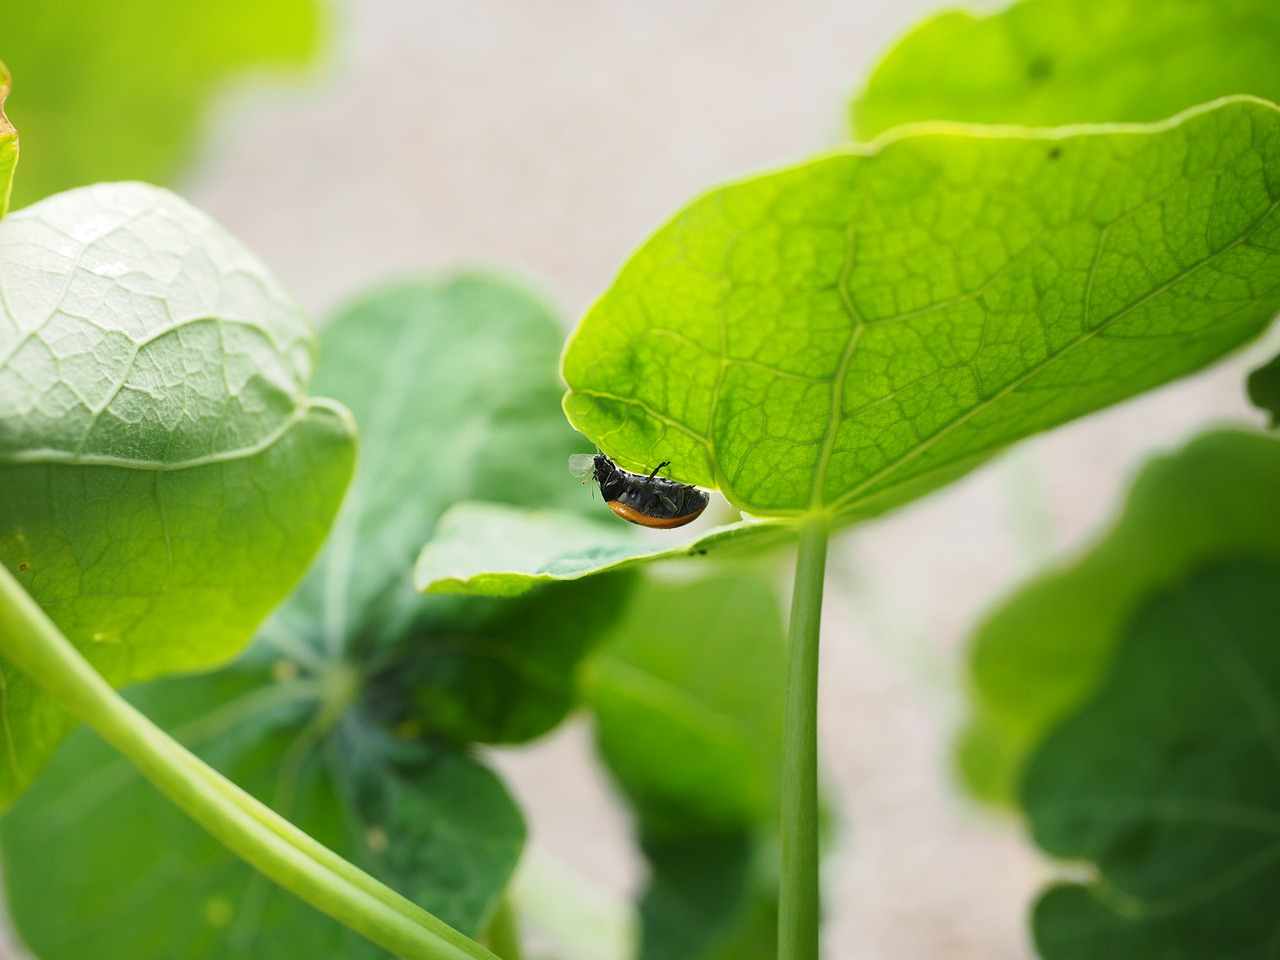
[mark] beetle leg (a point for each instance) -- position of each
(664, 463)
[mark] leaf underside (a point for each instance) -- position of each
(158, 451)
(850, 333)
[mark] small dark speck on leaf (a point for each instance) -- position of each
(24, 566)
(1040, 68)
(1055, 153)
(702, 552)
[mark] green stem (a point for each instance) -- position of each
(799, 901)
(250, 829)
(504, 932)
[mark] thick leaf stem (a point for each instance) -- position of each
(245, 826)
(799, 902)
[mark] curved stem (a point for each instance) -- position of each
(248, 828)
(799, 901)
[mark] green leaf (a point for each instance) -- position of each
(696, 750)
(1264, 389)
(158, 451)
(1168, 781)
(1055, 62)
(454, 384)
(848, 334)
(1043, 652)
(707, 899)
(117, 91)
(148, 884)
(492, 549)
(694, 747)
(8, 145)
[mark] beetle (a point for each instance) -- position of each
(651, 501)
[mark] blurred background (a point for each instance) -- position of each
(552, 138)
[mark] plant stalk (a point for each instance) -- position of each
(799, 901)
(248, 828)
(504, 931)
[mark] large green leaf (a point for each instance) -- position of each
(850, 333)
(116, 91)
(492, 549)
(158, 451)
(1042, 652)
(1168, 780)
(8, 145)
(1054, 62)
(138, 880)
(696, 749)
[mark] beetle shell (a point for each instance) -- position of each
(649, 501)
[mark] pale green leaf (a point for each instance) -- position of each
(1043, 651)
(118, 91)
(1054, 62)
(848, 334)
(492, 549)
(158, 451)
(1168, 782)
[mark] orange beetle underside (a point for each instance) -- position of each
(632, 515)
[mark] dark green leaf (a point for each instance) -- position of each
(497, 550)
(694, 746)
(1169, 781)
(1054, 62)
(706, 899)
(117, 91)
(137, 880)
(1043, 651)
(687, 696)
(158, 451)
(853, 332)
(1264, 389)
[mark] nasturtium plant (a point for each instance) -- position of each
(1168, 780)
(159, 451)
(846, 335)
(696, 751)
(117, 91)
(1048, 63)
(356, 711)
(1044, 650)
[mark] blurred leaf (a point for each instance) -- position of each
(497, 671)
(158, 452)
(692, 744)
(851, 333)
(1169, 781)
(696, 749)
(1054, 62)
(1043, 651)
(454, 385)
(117, 91)
(1264, 389)
(496, 550)
(8, 145)
(137, 880)
(705, 900)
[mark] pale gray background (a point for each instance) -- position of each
(554, 136)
